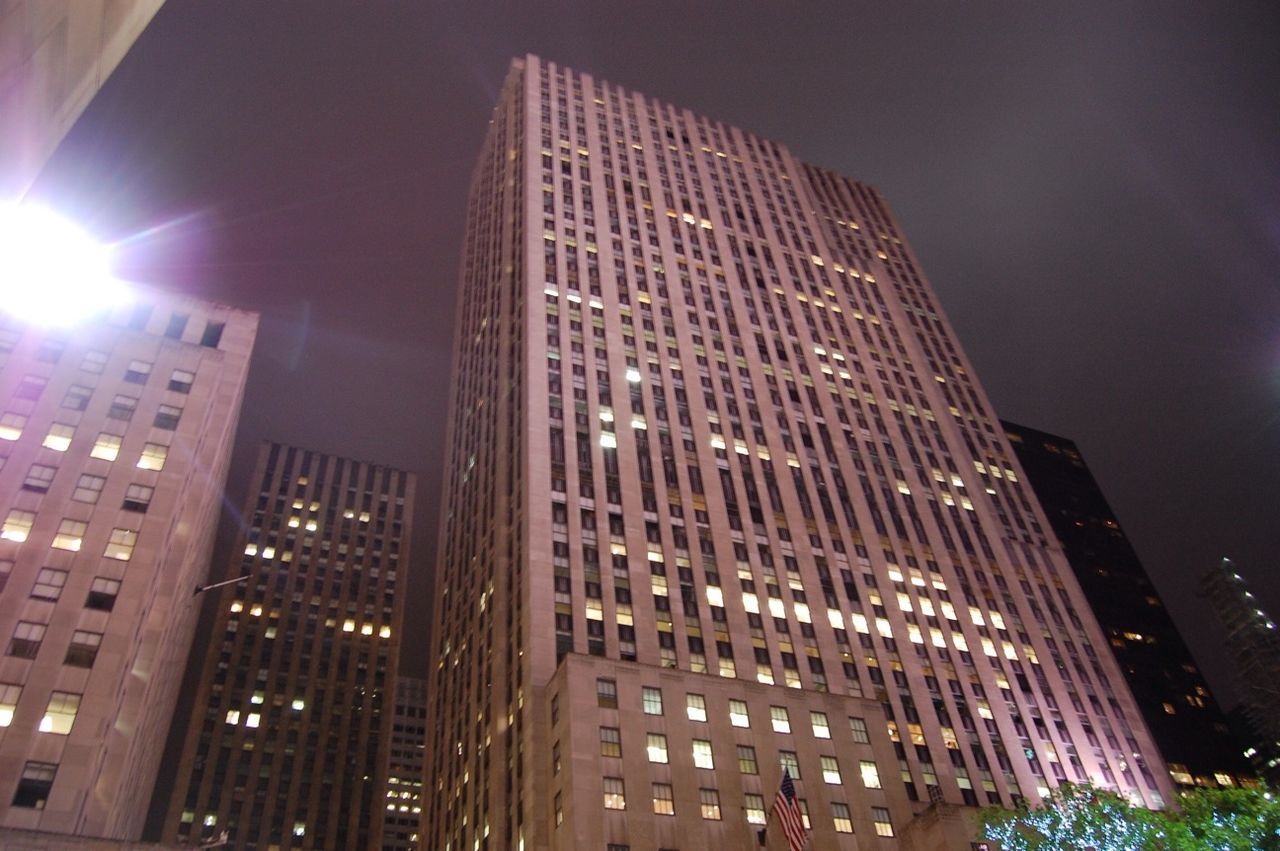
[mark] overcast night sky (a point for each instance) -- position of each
(1093, 189)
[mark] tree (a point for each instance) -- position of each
(1076, 818)
(1225, 820)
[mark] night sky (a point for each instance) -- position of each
(1094, 193)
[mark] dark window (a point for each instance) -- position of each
(177, 324)
(34, 786)
(102, 594)
(212, 334)
(167, 417)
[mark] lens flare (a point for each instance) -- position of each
(52, 273)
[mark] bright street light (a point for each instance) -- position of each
(51, 272)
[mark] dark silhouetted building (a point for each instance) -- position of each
(723, 497)
(286, 745)
(1253, 640)
(1187, 723)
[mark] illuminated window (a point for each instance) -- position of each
(120, 547)
(49, 584)
(870, 774)
(663, 800)
(840, 815)
(83, 649)
(788, 762)
(858, 727)
(754, 807)
(830, 770)
(25, 643)
(780, 719)
(17, 526)
(615, 797)
(59, 437)
(884, 826)
(821, 727)
(11, 426)
(652, 699)
(702, 757)
(70, 535)
(738, 713)
(181, 381)
(233, 716)
(657, 748)
(102, 594)
(610, 741)
(747, 760)
(106, 447)
(252, 719)
(167, 417)
(710, 802)
(9, 694)
(299, 828)
(153, 457)
(39, 477)
(60, 714)
(696, 707)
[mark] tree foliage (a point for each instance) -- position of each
(1080, 817)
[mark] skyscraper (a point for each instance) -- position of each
(286, 744)
(115, 436)
(405, 766)
(1183, 716)
(1254, 641)
(724, 497)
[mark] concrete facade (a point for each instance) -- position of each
(54, 57)
(287, 743)
(115, 445)
(708, 421)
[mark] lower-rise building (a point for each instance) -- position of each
(406, 761)
(286, 743)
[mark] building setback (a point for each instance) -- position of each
(405, 766)
(1187, 723)
(723, 497)
(115, 437)
(286, 744)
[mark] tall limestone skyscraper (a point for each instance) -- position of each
(723, 497)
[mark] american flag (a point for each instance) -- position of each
(787, 808)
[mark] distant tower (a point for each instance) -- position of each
(406, 761)
(723, 497)
(286, 744)
(1254, 642)
(115, 436)
(1187, 723)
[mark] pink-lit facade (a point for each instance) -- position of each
(723, 495)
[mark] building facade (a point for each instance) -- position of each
(1190, 728)
(723, 497)
(406, 762)
(115, 439)
(54, 58)
(286, 744)
(1254, 642)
